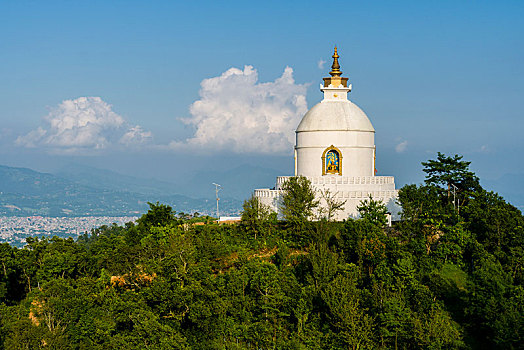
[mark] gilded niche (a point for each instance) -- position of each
(332, 161)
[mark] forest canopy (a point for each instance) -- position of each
(449, 275)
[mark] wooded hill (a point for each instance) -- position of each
(448, 276)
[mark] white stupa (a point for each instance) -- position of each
(335, 149)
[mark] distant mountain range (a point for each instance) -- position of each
(237, 183)
(77, 190)
(110, 180)
(83, 191)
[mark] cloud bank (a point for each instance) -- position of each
(83, 125)
(237, 113)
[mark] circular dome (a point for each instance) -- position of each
(335, 116)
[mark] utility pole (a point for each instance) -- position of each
(217, 188)
(455, 188)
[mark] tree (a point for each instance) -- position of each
(373, 211)
(496, 223)
(298, 202)
(437, 330)
(420, 202)
(323, 265)
(450, 171)
(11, 282)
(157, 215)
(255, 215)
(343, 300)
(332, 205)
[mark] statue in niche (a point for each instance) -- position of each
(332, 162)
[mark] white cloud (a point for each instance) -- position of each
(321, 63)
(136, 136)
(401, 147)
(82, 125)
(238, 113)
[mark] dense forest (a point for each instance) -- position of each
(449, 275)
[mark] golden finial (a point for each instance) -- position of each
(335, 67)
(336, 79)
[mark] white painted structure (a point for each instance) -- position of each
(335, 150)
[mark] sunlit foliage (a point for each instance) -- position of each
(442, 278)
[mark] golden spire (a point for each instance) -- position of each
(335, 67)
(335, 80)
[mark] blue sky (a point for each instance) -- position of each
(432, 76)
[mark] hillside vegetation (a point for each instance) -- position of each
(448, 276)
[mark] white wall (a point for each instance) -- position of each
(357, 148)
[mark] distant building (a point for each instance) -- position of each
(229, 219)
(335, 149)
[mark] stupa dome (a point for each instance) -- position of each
(335, 115)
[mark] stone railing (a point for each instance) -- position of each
(343, 180)
(366, 194)
(266, 193)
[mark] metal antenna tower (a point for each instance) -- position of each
(455, 188)
(217, 188)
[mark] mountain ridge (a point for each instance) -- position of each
(26, 192)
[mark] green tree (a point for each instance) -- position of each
(298, 202)
(497, 224)
(450, 171)
(437, 330)
(373, 211)
(157, 215)
(11, 283)
(343, 299)
(330, 205)
(323, 265)
(255, 216)
(420, 203)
